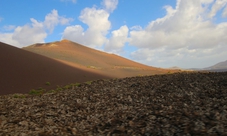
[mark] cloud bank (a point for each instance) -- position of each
(186, 35)
(110, 5)
(98, 24)
(33, 32)
(117, 41)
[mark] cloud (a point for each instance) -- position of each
(8, 27)
(183, 57)
(186, 32)
(117, 40)
(224, 14)
(53, 19)
(73, 1)
(110, 5)
(24, 35)
(33, 32)
(74, 33)
(98, 24)
(137, 27)
(96, 19)
(218, 5)
(28, 34)
(1, 19)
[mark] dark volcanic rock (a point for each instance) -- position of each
(174, 104)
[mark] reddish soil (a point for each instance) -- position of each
(21, 71)
(77, 55)
(61, 63)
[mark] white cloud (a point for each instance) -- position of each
(219, 4)
(137, 27)
(96, 19)
(98, 26)
(1, 19)
(24, 35)
(73, 1)
(53, 19)
(74, 33)
(183, 57)
(224, 14)
(34, 32)
(184, 34)
(27, 34)
(117, 41)
(9, 27)
(110, 5)
(7, 38)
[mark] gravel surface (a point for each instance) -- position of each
(173, 104)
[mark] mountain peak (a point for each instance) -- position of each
(65, 40)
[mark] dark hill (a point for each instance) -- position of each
(21, 71)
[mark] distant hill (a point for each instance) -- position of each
(80, 56)
(21, 71)
(175, 67)
(221, 66)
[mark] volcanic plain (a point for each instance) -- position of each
(112, 95)
(170, 104)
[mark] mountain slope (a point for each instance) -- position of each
(218, 66)
(81, 56)
(21, 71)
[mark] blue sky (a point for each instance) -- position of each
(166, 33)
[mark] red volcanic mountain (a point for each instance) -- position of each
(21, 71)
(80, 56)
(61, 63)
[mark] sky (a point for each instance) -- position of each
(160, 33)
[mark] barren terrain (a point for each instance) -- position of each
(47, 66)
(21, 71)
(80, 56)
(172, 104)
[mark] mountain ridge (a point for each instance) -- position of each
(22, 71)
(76, 55)
(219, 65)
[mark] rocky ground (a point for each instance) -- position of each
(173, 104)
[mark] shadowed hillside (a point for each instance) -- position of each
(21, 71)
(61, 63)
